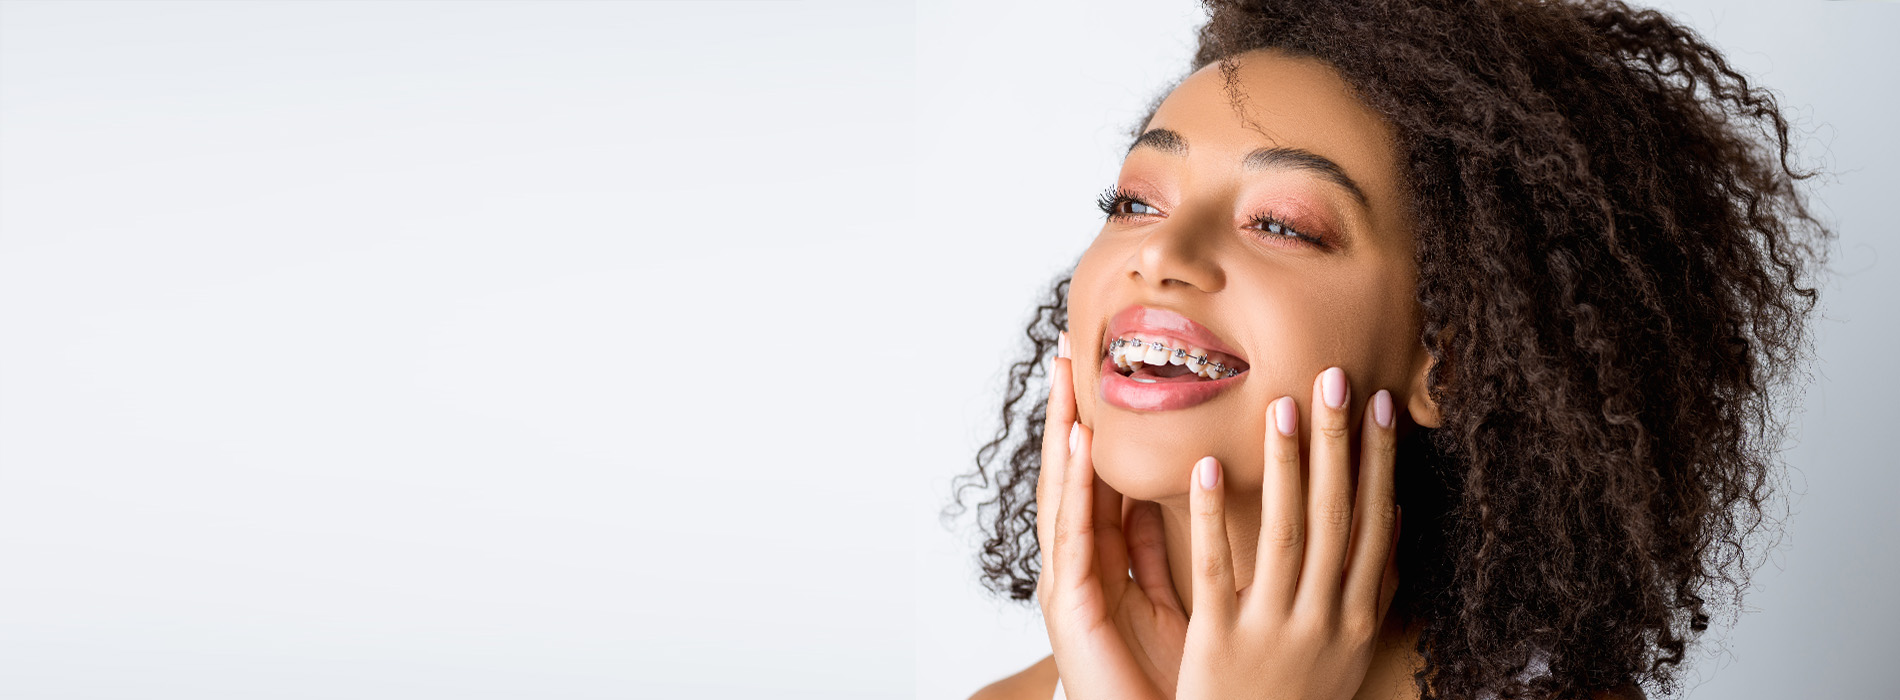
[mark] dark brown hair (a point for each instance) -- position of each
(1614, 270)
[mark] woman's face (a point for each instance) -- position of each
(1328, 281)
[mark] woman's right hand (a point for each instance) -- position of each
(1111, 639)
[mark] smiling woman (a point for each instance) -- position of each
(1327, 280)
(1427, 350)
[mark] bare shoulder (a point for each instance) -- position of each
(1038, 682)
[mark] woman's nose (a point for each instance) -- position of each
(1178, 252)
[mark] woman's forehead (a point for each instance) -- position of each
(1270, 99)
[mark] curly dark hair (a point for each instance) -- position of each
(1614, 269)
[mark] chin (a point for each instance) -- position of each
(1146, 465)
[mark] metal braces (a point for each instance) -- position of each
(1219, 368)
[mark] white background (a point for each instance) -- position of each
(627, 349)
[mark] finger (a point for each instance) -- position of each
(1329, 493)
(1148, 550)
(1282, 509)
(1075, 519)
(1207, 536)
(1376, 520)
(1060, 415)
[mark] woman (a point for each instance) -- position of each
(1428, 350)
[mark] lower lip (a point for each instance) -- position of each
(1161, 396)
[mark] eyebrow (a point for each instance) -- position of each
(1169, 142)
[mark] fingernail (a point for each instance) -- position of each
(1062, 344)
(1332, 383)
(1209, 471)
(1382, 408)
(1286, 415)
(1075, 436)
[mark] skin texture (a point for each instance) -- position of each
(1610, 282)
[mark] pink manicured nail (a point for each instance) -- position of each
(1382, 408)
(1075, 436)
(1209, 471)
(1332, 383)
(1287, 415)
(1062, 344)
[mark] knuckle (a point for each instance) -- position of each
(1286, 534)
(1336, 513)
(1063, 537)
(1384, 449)
(1287, 465)
(1208, 511)
(1333, 431)
(1213, 567)
(1382, 519)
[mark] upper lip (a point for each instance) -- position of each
(1148, 320)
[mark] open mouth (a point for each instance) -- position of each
(1158, 360)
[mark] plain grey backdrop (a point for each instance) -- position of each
(628, 349)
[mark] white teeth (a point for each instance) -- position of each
(1126, 355)
(1135, 352)
(1155, 356)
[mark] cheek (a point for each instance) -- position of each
(1302, 326)
(1378, 333)
(1089, 302)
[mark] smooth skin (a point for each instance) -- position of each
(1209, 610)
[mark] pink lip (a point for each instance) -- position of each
(1141, 319)
(1163, 396)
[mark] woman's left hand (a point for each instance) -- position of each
(1325, 572)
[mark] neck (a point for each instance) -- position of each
(1243, 534)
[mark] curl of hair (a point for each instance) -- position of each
(1614, 264)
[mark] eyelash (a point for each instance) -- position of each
(1113, 198)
